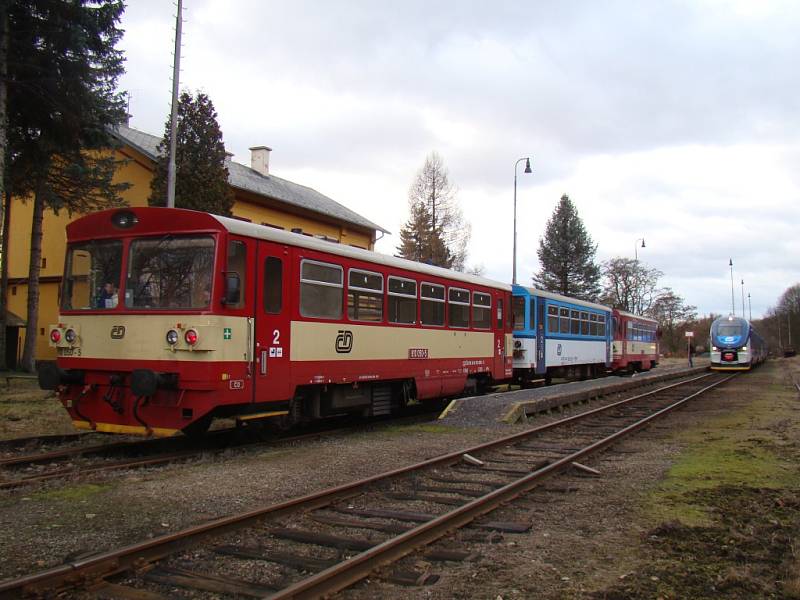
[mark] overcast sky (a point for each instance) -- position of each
(677, 122)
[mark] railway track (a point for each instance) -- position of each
(321, 543)
(81, 461)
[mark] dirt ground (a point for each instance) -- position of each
(704, 505)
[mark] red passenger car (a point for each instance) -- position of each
(170, 318)
(636, 343)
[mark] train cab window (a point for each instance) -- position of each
(584, 323)
(175, 271)
(92, 276)
(499, 313)
(601, 325)
(563, 320)
(481, 311)
(431, 306)
(364, 296)
(552, 319)
(518, 309)
(402, 301)
(574, 322)
(458, 307)
(321, 286)
(273, 285)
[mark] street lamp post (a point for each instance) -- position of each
(743, 298)
(750, 304)
(733, 303)
(636, 247)
(527, 170)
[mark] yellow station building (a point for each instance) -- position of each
(260, 197)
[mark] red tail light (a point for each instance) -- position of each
(190, 337)
(55, 336)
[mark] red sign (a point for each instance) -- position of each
(417, 353)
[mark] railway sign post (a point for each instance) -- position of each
(689, 336)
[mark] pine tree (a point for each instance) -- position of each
(566, 255)
(435, 232)
(62, 69)
(201, 176)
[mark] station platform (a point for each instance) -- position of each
(509, 408)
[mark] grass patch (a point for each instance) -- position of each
(434, 428)
(726, 519)
(74, 493)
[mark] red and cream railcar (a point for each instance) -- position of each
(170, 318)
(636, 343)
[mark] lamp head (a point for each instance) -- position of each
(643, 246)
(528, 165)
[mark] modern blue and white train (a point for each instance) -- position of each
(558, 336)
(735, 345)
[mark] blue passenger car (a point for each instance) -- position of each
(558, 336)
(735, 345)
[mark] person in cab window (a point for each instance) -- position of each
(108, 296)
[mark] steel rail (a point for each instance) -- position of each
(106, 564)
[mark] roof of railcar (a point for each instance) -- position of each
(553, 296)
(296, 239)
(625, 313)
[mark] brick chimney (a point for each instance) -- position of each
(259, 159)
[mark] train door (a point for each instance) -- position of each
(500, 350)
(272, 372)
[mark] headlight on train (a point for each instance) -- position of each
(191, 337)
(744, 348)
(517, 344)
(172, 337)
(55, 336)
(70, 336)
(714, 348)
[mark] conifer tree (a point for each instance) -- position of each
(201, 176)
(435, 232)
(61, 73)
(566, 255)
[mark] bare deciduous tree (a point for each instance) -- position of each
(435, 232)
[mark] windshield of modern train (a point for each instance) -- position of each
(170, 272)
(92, 275)
(729, 330)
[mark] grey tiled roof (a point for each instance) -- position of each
(245, 178)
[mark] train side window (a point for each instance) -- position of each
(364, 296)
(592, 324)
(518, 310)
(552, 319)
(564, 320)
(584, 323)
(237, 265)
(481, 311)
(273, 285)
(432, 304)
(601, 325)
(574, 322)
(499, 313)
(402, 301)
(321, 286)
(458, 307)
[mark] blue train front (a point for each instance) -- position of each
(557, 336)
(735, 345)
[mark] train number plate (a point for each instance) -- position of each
(236, 384)
(417, 353)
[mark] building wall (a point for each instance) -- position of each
(138, 171)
